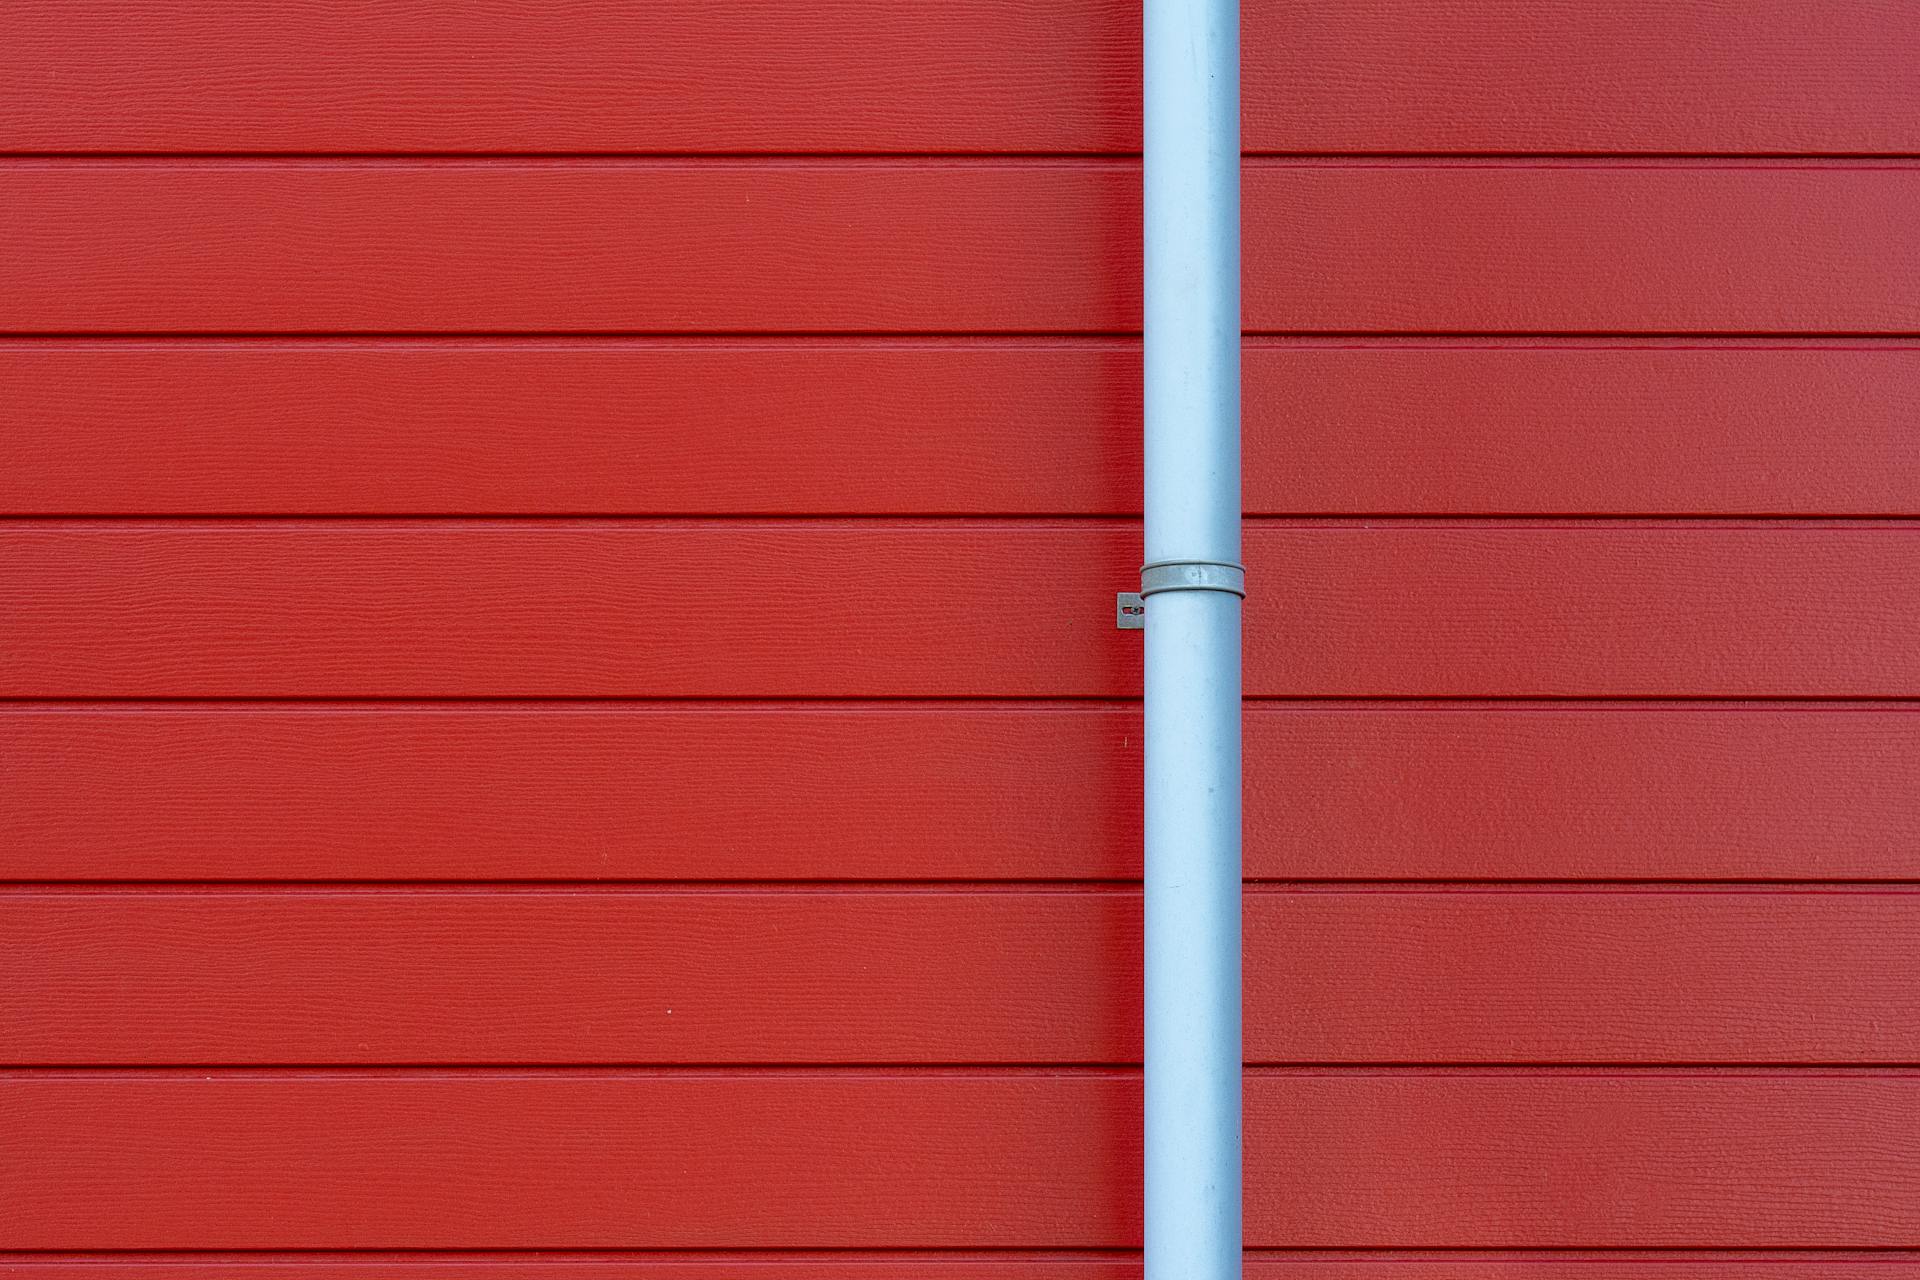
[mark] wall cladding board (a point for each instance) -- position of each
(591, 528)
(618, 1159)
(975, 75)
(932, 246)
(834, 974)
(575, 609)
(874, 426)
(947, 791)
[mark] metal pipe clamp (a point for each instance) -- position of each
(1193, 575)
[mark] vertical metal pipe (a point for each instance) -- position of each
(1192, 583)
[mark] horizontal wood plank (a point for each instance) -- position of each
(1303, 1265)
(772, 976)
(1638, 76)
(877, 427)
(555, 1161)
(985, 75)
(572, 76)
(609, 1160)
(568, 246)
(1580, 248)
(869, 792)
(940, 246)
(1598, 610)
(726, 428)
(698, 609)
(736, 977)
(1671, 1161)
(556, 792)
(1575, 976)
(1576, 430)
(1608, 792)
(689, 608)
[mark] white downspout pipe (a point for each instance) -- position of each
(1193, 586)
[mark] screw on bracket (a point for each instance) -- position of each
(1129, 611)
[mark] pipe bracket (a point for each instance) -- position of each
(1193, 575)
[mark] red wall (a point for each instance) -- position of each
(521, 745)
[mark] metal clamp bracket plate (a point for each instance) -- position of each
(1130, 607)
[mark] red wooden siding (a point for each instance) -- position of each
(1600, 610)
(682, 246)
(1550, 246)
(646, 791)
(606, 1159)
(559, 711)
(1538, 428)
(1568, 791)
(1010, 246)
(979, 75)
(1594, 1159)
(772, 976)
(1809, 1264)
(587, 608)
(1681, 76)
(953, 426)
(575, 75)
(723, 427)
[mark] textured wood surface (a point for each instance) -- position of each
(635, 427)
(1636, 76)
(540, 791)
(509, 608)
(1554, 247)
(602, 1159)
(1607, 610)
(926, 245)
(689, 608)
(572, 76)
(762, 976)
(988, 75)
(948, 1265)
(798, 245)
(1620, 1160)
(1580, 429)
(1581, 975)
(861, 976)
(626, 1159)
(554, 792)
(869, 426)
(1651, 792)
(844, 259)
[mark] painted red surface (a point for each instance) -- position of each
(1676, 76)
(831, 974)
(947, 791)
(1003, 246)
(561, 708)
(602, 608)
(1809, 1264)
(1805, 1264)
(609, 1158)
(872, 426)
